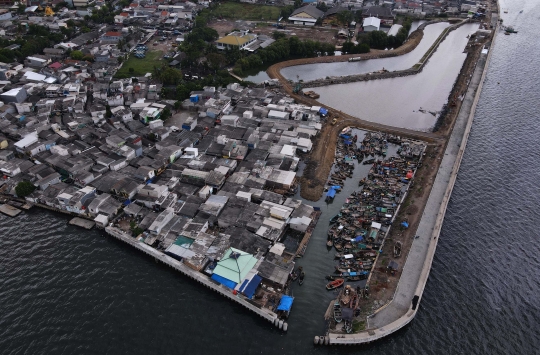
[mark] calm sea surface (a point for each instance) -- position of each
(68, 291)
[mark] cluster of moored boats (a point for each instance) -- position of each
(346, 307)
(358, 230)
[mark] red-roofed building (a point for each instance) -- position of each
(164, 14)
(112, 36)
(55, 66)
(119, 19)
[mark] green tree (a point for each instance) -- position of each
(165, 114)
(77, 55)
(24, 188)
(345, 17)
(20, 8)
(216, 60)
(278, 35)
(108, 112)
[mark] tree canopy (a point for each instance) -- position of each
(24, 188)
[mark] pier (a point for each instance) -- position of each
(81, 222)
(9, 210)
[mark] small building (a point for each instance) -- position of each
(236, 40)
(383, 13)
(307, 15)
(371, 24)
(101, 221)
(112, 36)
(17, 95)
(233, 268)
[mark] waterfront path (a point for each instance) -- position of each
(400, 311)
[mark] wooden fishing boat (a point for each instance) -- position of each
(337, 312)
(301, 278)
(335, 218)
(329, 243)
(335, 284)
(397, 249)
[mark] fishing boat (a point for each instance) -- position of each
(334, 284)
(337, 312)
(296, 273)
(509, 29)
(369, 161)
(335, 218)
(397, 249)
(329, 243)
(355, 138)
(301, 278)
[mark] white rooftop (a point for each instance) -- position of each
(372, 21)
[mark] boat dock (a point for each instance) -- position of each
(81, 222)
(9, 210)
(304, 243)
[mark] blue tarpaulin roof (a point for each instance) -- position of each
(345, 136)
(248, 288)
(323, 111)
(358, 239)
(331, 193)
(127, 202)
(285, 303)
(405, 224)
(336, 187)
(230, 284)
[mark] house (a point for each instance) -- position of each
(371, 24)
(331, 15)
(112, 36)
(119, 19)
(306, 15)
(37, 61)
(17, 95)
(382, 13)
(233, 268)
(239, 40)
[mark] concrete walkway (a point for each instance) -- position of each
(432, 216)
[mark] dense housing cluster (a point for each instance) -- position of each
(218, 187)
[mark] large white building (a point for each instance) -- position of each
(371, 24)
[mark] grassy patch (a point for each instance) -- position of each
(242, 11)
(140, 66)
(358, 326)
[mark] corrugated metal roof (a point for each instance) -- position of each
(235, 265)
